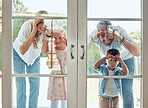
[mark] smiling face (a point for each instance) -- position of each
(112, 62)
(41, 26)
(106, 37)
(58, 39)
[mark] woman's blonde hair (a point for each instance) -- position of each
(36, 37)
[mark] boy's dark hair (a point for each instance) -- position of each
(113, 52)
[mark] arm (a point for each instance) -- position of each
(133, 48)
(98, 63)
(124, 68)
(94, 38)
(26, 45)
(45, 47)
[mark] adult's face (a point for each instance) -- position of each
(106, 37)
(41, 26)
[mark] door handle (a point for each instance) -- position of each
(83, 52)
(71, 53)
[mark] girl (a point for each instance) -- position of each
(57, 85)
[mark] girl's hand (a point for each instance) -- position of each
(109, 56)
(64, 40)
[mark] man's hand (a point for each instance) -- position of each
(117, 36)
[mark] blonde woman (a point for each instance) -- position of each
(27, 47)
(57, 85)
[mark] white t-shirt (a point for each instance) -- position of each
(111, 88)
(32, 54)
(125, 54)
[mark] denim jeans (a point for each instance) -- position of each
(19, 68)
(127, 84)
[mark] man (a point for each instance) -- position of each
(106, 37)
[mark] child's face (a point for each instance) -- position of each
(112, 62)
(58, 39)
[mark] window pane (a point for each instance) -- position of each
(52, 87)
(93, 90)
(54, 59)
(114, 9)
(31, 7)
(132, 28)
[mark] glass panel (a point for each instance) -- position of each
(29, 64)
(132, 28)
(114, 9)
(53, 57)
(93, 90)
(31, 7)
(53, 87)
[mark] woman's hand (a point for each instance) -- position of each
(35, 25)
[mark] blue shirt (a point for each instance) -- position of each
(104, 70)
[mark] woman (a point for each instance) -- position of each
(31, 41)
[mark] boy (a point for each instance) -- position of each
(110, 87)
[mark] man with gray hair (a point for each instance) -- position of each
(107, 37)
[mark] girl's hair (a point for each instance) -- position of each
(113, 52)
(60, 30)
(36, 37)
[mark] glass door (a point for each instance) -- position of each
(36, 79)
(98, 21)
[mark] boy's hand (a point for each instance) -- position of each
(109, 56)
(118, 58)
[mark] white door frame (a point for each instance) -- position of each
(7, 53)
(82, 34)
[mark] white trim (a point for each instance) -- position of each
(99, 76)
(72, 63)
(42, 17)
(38, 75)
(82, 67)
(115, 19)
(6, 53)
(145, 54)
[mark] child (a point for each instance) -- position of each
(57, 85)
(110, 87)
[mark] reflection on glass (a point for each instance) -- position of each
(130, 29)
(93, 92)
(114, 9)
(25, 7)
(43, 102)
